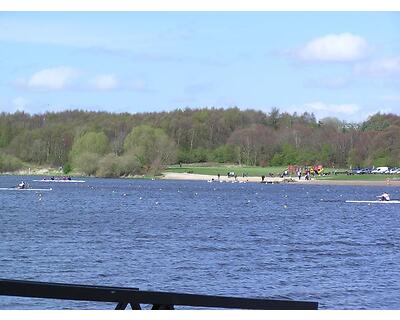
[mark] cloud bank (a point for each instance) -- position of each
(343, 109)
(57, 78)
(346, 111)
(334, 47)
(68, 78)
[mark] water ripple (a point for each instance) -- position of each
(253, 240)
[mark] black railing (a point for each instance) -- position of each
(135, 297)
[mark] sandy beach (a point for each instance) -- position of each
(203, 177)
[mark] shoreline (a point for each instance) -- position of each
(213, 178)
(276, 180)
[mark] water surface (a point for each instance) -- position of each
(251, 240)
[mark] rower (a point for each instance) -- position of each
(22, 185)
(384, 196)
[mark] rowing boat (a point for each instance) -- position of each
(29, 189)
(59, 180)
(374, 201)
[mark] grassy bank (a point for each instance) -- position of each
(222, 169)
(360, 177)
(215, 169)
(28, 170)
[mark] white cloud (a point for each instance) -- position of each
(20, 103)
(375, 111)
(345, 109)
(16, 104)
(334, 47)
(57, 78)
(381, 67)
(104, 82)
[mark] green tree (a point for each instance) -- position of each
(151, 147)
(193, 156)
(325, 154)
(90, 142)
(6, 133)
(87, 150)
(225, 154)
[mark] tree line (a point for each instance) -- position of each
(109, 144)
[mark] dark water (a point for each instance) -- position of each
(249, 240)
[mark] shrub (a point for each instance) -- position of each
(108, 166)
(87, 162)
(9, 163)
(129, 165)
(67, 168)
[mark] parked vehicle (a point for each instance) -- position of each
(380, 170)
(360, 171)
(355, 171)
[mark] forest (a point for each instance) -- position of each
(112, 145)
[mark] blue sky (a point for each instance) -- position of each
(342, 64)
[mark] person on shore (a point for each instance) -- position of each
(219, 176)
(299, 174)
(384, 197)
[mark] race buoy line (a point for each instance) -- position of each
(59, 180)
(24, 189)
(359, 201)
(374, 201)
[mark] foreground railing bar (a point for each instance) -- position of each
(135, 297)
(51, 290)
(121, 306)
(194, 300)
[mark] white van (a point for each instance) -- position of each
(381, 170)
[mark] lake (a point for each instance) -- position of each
(300, 242)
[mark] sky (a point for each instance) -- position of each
(337, 64)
